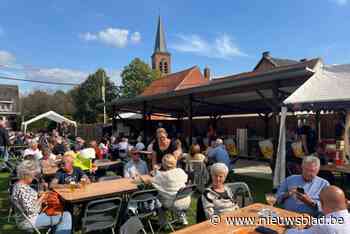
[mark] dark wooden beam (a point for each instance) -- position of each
(268, 102)
(144, 121)
(190, 118)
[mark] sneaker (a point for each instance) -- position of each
(183, 218)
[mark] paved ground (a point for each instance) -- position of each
(253, 168)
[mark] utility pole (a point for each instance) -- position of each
(104, 98)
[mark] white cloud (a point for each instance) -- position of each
(341, 2)
(6, 57)
(115, 76)
(135, 37)
(221, 47)
(115, 37)
(59, 75)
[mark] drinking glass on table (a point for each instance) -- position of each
(72, 186)
(83, 182)
(270, 199)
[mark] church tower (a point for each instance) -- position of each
(161, 57)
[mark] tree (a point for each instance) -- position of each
(40, 101)
(87, 97)
(136, 77)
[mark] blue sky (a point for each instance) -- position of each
(65, 40)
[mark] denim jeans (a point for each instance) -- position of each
(63, 226)
(4, 153)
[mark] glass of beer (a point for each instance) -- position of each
(72, 186)
(83, 182)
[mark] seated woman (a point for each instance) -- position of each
(31, 202)
(218, 198)
(195, 154)
(68, 173)
(168, 183)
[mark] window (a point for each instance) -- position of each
(165, 67)
(161, 66)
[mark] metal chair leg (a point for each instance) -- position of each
(150, 225)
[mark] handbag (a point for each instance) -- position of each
(53, 205)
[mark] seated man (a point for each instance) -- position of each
(334, 206)
(300, 193)
(135, 166)
(219, 154)
(68, 173)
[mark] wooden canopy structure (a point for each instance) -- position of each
(256, 92)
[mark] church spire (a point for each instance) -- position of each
(160, 45)
(161, 58)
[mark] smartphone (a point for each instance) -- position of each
(265, 230)
(300, 190)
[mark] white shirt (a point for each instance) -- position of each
(36, 153)
(140, 146)
(329, 228)
(132, 169)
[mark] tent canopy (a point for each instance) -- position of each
(326, 89)
(49, 115)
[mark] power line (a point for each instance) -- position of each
(38, 81)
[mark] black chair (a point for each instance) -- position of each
(184, 192)
(101, 215)
(104, 178)
(200, 213)
(136, 205)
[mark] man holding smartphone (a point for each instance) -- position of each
(301, 193)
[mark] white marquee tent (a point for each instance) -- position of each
(49, 115)
(327, 89)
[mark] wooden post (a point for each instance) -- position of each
(144, 119)
(190, 119)
(317, 122)
(266, 120)
(114, 120)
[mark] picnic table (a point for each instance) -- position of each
(250, 211)
(336, 168)
(342, 169)
(100, 189)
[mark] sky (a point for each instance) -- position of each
(64, 41)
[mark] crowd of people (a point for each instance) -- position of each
(164, 158)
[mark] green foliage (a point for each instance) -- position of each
(87, 97)
(39, 102)
(136, 77)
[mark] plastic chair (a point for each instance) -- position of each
(241, 193)
(105, 178)
(138, 199)
(182, 193)
(101, 214)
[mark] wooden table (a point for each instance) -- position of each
(100, 189)
(334, 168)
(107, 163)
(249, 211)
(342, 169)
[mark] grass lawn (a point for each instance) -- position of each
(258, 187)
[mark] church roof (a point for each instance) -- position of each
(188, 78)
(160, 45)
